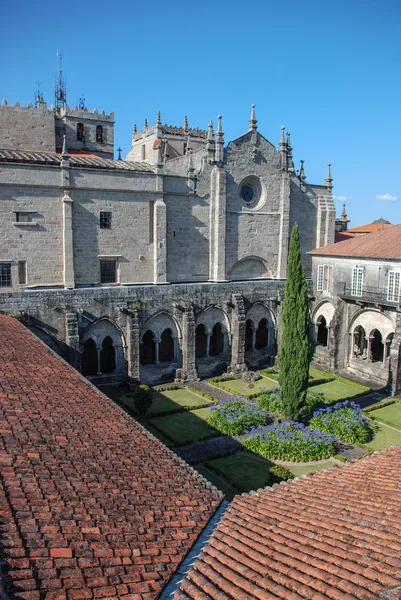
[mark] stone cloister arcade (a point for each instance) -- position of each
(166, 346)
(364, 347)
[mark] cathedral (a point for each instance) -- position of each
(168, 264)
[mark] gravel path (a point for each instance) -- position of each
(205, 387)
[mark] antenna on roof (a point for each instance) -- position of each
(60, 94)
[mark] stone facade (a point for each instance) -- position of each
(189, 210)
(362, 322)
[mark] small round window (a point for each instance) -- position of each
(250, 192)
(247, 193)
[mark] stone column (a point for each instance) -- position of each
(208, 336)
(133, 346)
(285, 198)
(395, 362)
(188, 344)
(157, 342)
(160, 241)
(217, 219)
(72, 339)
(68, 250)
(253, 337)
(238, 334)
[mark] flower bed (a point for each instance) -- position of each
(234, 416)
(271, 400)
(345, 420)
(288, 440)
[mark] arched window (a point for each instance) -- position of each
(389, 341)
(322, 331)
(166, 346)
(107, 356)
(80, 132)
(216, 340)
(99, 134)
(148, 352)
(89, 358)
(376, 346)
(200, 341)
(248, 335)
(262, 335)
(360, 342)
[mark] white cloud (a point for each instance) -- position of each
(342, 198)
(386, 197)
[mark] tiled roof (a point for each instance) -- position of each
(370, 227)
(382, 244)
(335, 535)
(92, 505)
(76, 160)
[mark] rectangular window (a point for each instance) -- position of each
(393, 290)
(357, 281)
(22, 272)
(5, 274)
(105, 220)
(143, 152)
(324, 278)
(22, 217)
(108, 271)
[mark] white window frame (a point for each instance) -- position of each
(357, 281)
(324, 278)
(394, 286)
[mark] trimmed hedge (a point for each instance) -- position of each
(190, 388)
(167, 388)
(381, 405)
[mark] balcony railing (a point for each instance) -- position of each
(374, 295)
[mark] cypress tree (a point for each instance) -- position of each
(295, 348)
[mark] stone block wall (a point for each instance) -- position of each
(27, 128)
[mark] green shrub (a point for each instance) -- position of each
(281, 473)
(234, 416)
(167, 388)
(271, 400)
(200, 393)
(223, 378)
(345, 420)
(288, 440)
(142, 399)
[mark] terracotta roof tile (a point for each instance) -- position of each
(76, 160)
(93, 506)
(332, 535)
(384, 244)
(369, 227)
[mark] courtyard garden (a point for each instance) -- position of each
(243, 433)
(268, 448)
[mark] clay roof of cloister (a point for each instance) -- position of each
(382, 244)
(76, 160)
(333, 535)
(92, 505)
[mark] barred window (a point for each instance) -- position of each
(393, 290)
(324, 278)
(105, 220)
(108, 271)
(5, 274)
(357, 281)
(22, 272)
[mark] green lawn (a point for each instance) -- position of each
(168, 401)
(336, 390)
(244, 472)
(384, 437)
(390, 414)
(227, 491)
(185, 427)
(298, 471)
(244, 388)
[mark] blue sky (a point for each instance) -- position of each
(329, 71)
